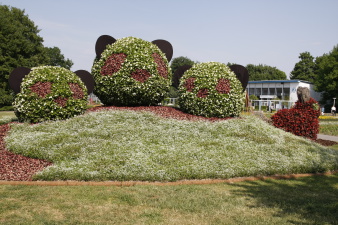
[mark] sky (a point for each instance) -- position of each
(269, 32)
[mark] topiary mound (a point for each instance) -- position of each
(301, 120)
(131, 72)
(50, 93)
(211, 90)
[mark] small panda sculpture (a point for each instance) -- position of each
(212, 89)
(49, 93)
(131, 71)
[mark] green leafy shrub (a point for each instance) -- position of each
(131, 72)
(211, 90)
(50, 93)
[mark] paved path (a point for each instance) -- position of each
(327, 137)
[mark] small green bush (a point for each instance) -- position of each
(211, 90)
(50, 93)
(131, 72)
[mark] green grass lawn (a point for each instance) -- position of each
(128, 145)
(309, 200)
(7, 116)
(329, 128)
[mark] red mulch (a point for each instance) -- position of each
(14, 167)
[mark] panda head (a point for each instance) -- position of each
(131, 71)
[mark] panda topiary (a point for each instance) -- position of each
(131, 71)
(213, 89)
(49, 93)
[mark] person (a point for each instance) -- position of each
(333, 110)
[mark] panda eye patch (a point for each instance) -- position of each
(113, 64)
(77, 90)
(140, 75)
(223, 86)
(41, 88)
(189, 84)
(161, 66)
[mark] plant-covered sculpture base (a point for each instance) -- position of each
(211, 90)
(50, 93)
(131, 72)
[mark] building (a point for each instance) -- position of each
(278, 94)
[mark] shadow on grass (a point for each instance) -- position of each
(313, 198)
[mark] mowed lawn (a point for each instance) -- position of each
(307, 200)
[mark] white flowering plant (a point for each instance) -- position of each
(50, 93)
(212, 90)
(131, 71)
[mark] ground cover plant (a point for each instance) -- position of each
(307, 200)
(128, 145)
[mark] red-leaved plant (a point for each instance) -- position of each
(301, 120)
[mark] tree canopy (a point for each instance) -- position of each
(327, 75)
(55, 58)
(264, 72)
(305, 68)
(21, 46)
(180, 61)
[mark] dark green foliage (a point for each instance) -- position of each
(304, 69)
(55, 58)
(20, 45)
(180, 61)
(50, 93)
(327, 76)
(264, 72)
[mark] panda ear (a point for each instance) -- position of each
(165, 47)
(102, 43)
(16, 76)
(87, 79)
(242, 74)
(178, 74)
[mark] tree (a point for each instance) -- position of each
(55, 58)
(20, 45)
(327, 75)
(180, 61)
(264, 72)
(305, 68)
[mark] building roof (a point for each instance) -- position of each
(278, 81)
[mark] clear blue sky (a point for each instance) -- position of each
(271, 32)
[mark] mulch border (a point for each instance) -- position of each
(182, 182)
